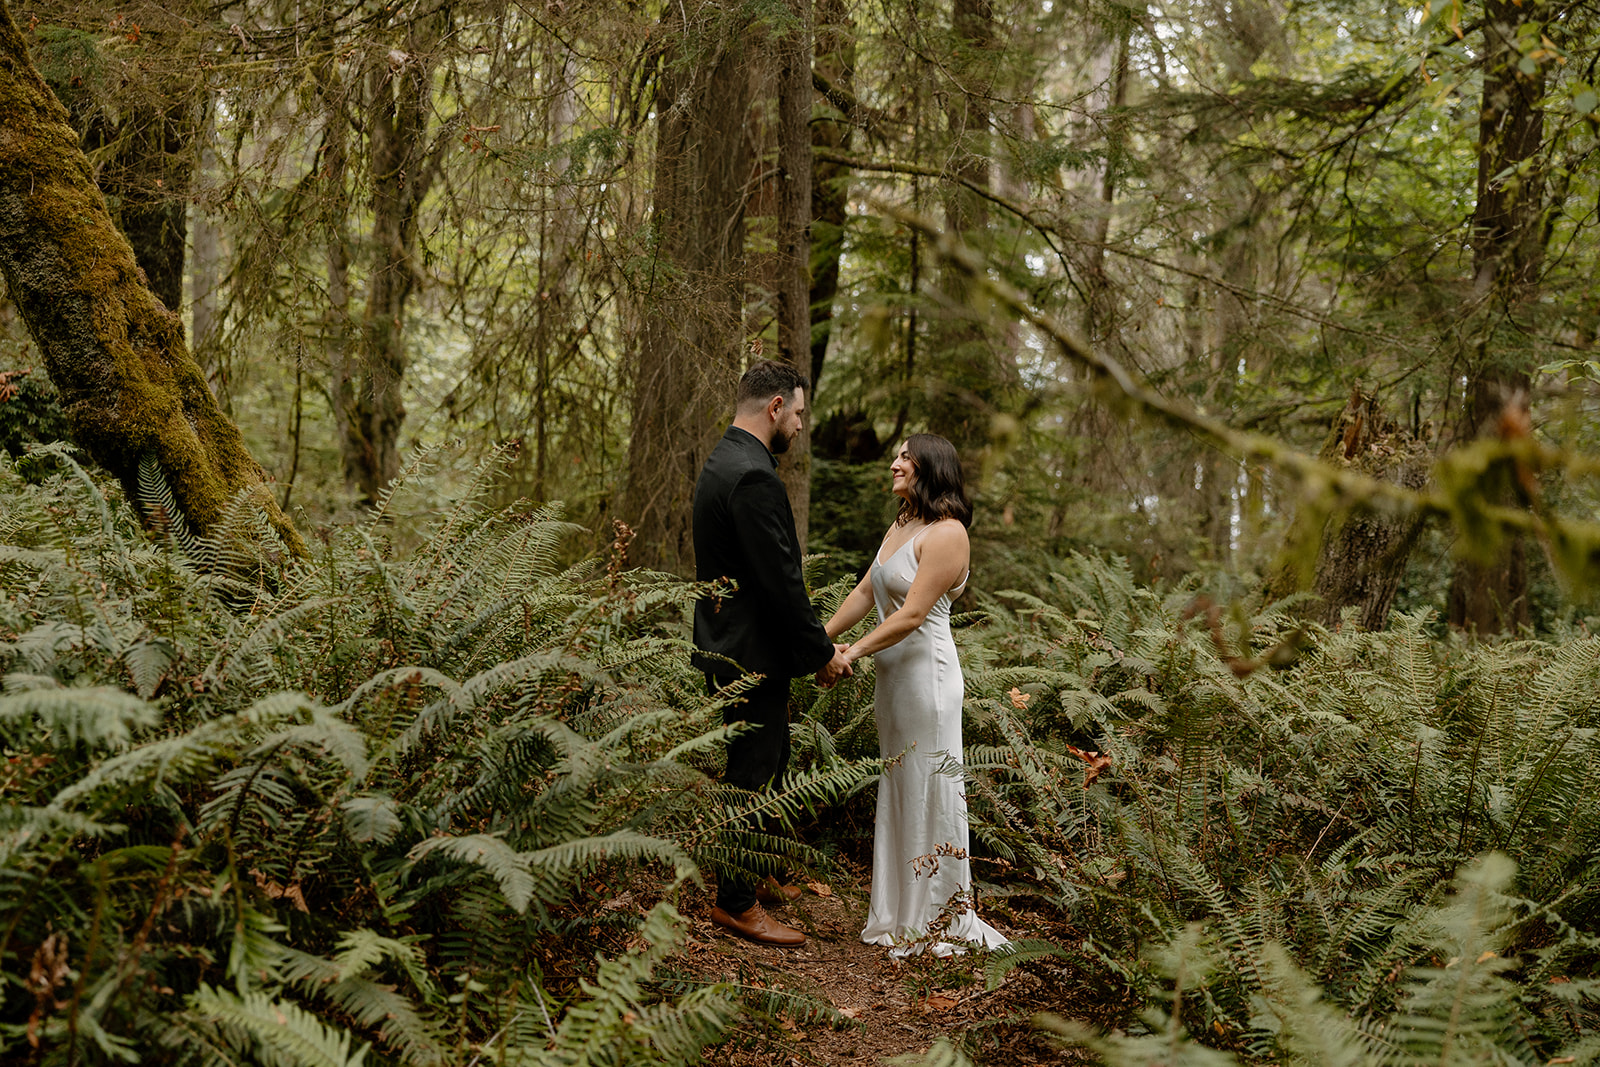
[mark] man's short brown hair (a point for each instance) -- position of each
(769, 378)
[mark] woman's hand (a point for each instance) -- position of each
(838, 667)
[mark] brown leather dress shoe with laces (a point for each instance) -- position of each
(774, 894)
(756, 925)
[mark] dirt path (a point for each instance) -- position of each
(888, 1008)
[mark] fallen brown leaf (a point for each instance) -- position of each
(1097, 761)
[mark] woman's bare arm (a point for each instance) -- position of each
(854, 608)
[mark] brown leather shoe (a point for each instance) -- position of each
(774, 894)
(757, 925)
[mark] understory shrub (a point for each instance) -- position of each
(1297, 843)
(282, 811)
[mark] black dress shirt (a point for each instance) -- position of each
(744, 530)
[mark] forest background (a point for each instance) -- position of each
(1257, 299)
(570, 226)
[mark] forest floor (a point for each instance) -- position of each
(889, 1008)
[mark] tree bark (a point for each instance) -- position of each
(1112, 96)
(114, 353)
(1359, 555)
(689, 353)
(399, 92)
(338, 333)
(835, 52)
(149, 178)
(1363, 553)
(968, 371)
(1490, 594)
(1489, 591)
(794, 243)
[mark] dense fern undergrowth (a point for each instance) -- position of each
(262, 810)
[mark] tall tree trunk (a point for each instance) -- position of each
(560, 231)
(794, 242)
(1489, 591)
(338, 334)
(830, 189)
(969, 376)
(114, 353)
(689, 352)
(1111, 95)
(206, 270)
(1490, 594)
(398, 93)
(148, 177)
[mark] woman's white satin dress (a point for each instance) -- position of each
(919, 853)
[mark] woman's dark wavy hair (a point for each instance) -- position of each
(939, 490)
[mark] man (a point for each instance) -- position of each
(744, 530)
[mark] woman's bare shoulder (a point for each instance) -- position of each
(947, 536)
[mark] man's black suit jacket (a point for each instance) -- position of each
(744, 530)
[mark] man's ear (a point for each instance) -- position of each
(774, 406)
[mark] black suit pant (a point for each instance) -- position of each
(756, 761)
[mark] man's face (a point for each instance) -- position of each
(790, 417)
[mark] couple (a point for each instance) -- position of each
(744, 530)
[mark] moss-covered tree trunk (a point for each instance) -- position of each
(115, 354)
(1364, 553)
(1360, 554)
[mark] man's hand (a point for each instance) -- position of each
(838, 667)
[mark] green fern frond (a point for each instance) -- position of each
(178, 758)
(257, 1023)
(941, 1054)
(162, 511)
(509, 868)
(63, 717)
(1013, 954)
(347, 983)
(371, 819)
(605, 1026)
(1314, 1032)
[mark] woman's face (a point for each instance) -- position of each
(904, 473)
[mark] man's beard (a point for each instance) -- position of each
(780, 442)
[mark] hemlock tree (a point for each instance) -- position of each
(115, 354)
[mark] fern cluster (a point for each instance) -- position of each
(333, 812)
(1286, 809)
(259, 809)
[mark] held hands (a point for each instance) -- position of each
(838, 667)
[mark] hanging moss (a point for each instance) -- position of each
(115, 354)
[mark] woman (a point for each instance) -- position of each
(919, 852)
